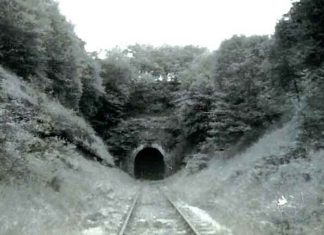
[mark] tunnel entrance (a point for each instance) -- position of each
(149, 164)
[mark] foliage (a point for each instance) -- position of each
(215, 98)
(301, 32)
(40, 117)
(92, 89)
(298, 45)
(241, 101)
(200, 69)
(312, 112)
(164, 62)
(37, 43)
(22, 28)
(297, 59)
(193, 108)
(148, 96)
(64, 51)
(225, 126)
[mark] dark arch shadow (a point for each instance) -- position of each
(149, 164)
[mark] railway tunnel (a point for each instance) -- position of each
(149, 164)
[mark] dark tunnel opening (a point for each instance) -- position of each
(149, 164)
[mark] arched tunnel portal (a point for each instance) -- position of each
(149, 164)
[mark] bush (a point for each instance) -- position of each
(45, 118)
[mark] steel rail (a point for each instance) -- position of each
(129, 214)
(183, 216)
(173, 205)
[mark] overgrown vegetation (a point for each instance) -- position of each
(54, 96)
(36, 117)
(217, 97)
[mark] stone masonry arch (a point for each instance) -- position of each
(159, 148)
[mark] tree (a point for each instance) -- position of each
(301, 32)
(92, 90)
(39, 44)
(297, 58)
(21, 32)
(241, 74)
(225, 126)
(201, 68)
(299, 44)
(163, 62)
(193, 108)
(65, 52)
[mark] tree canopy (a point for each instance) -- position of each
(216, 98)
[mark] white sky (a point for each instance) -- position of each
(103, 24)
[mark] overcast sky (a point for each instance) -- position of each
(103, 24)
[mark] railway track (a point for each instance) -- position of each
(154, 212)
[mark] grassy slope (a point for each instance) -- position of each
(47, 186)
(243, 192)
